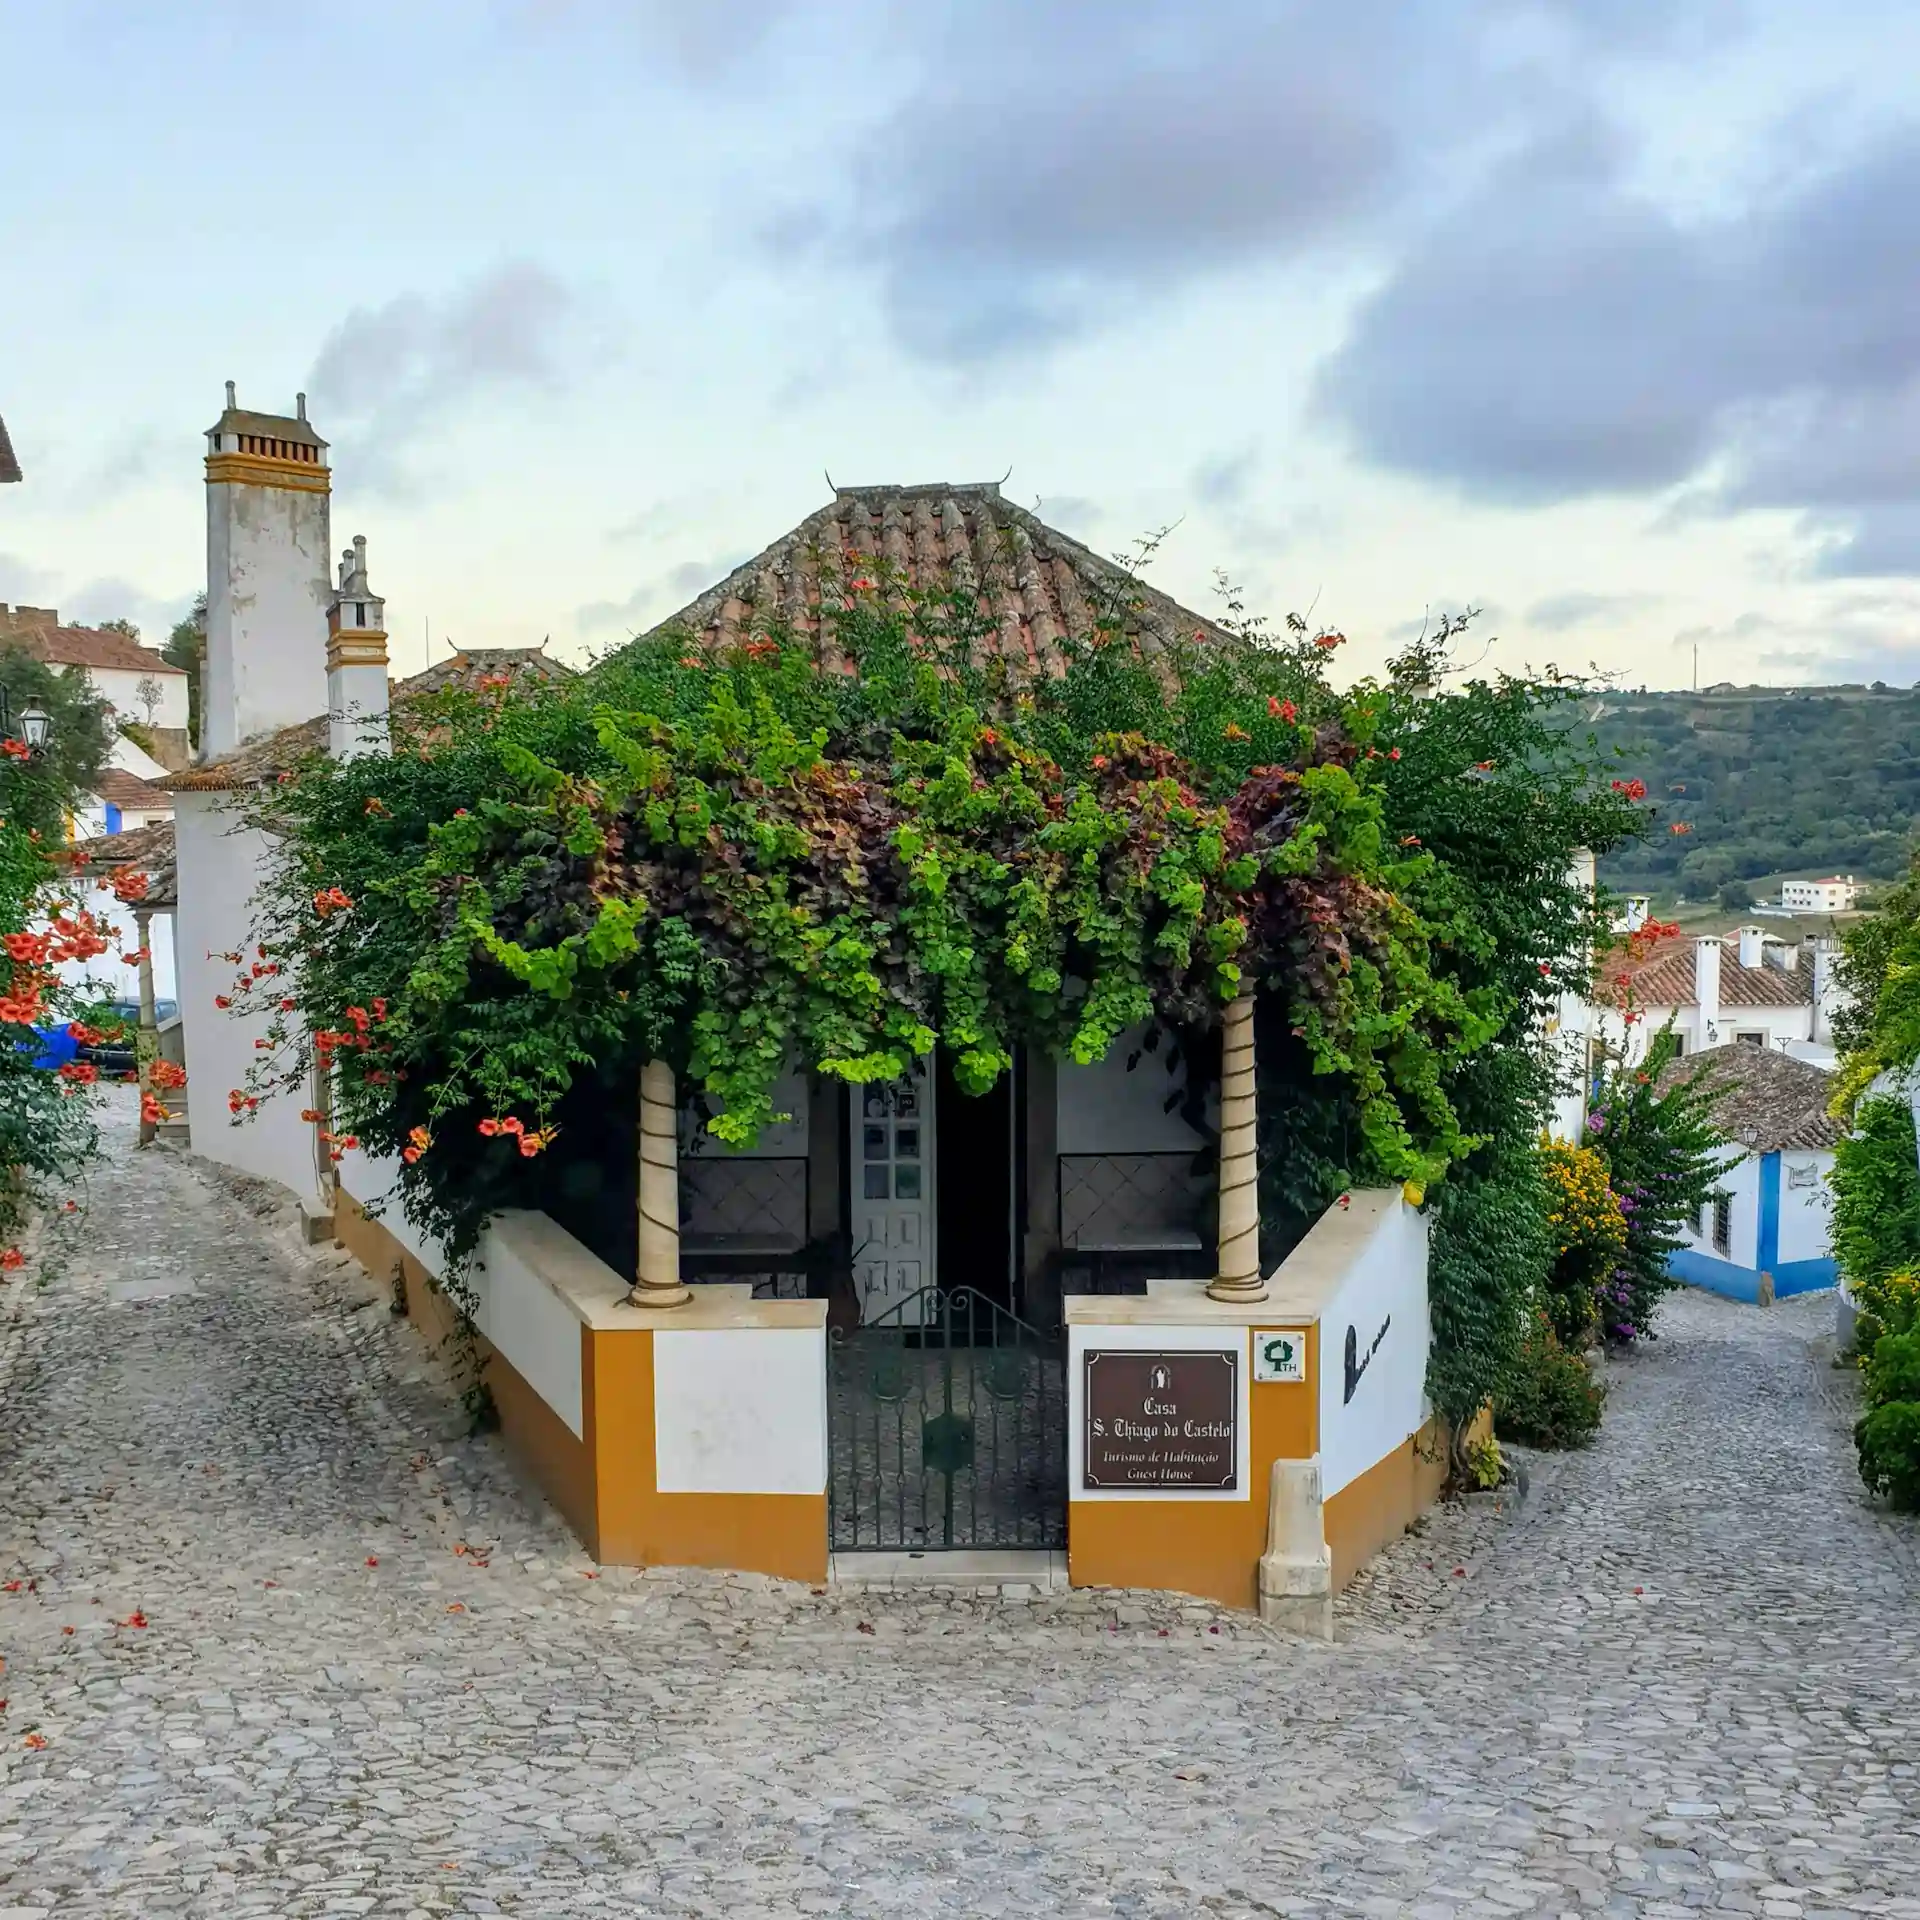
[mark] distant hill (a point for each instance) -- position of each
(1766, 780)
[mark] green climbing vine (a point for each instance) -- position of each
(738, 860)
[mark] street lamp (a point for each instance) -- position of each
(36, 724)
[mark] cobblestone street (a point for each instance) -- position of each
(280, 1639)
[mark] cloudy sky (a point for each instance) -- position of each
(1599, 315)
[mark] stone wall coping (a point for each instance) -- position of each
(1297, 1290)
(597, 1296)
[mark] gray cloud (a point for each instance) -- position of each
(1222, 481)
(1563, 335)
(1882, 542)
(1861, 640)
(647, 605)
(1052, 165)
(1052, 155)
(111, 597)
(1561, 612)
(22, 580)
(385, 375)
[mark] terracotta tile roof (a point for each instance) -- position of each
(1781, 1101)
(1664, 978)
(128, 791)
(93, 647)
(9, 466)
(148, 848)
(1036, 583)
(276, 753)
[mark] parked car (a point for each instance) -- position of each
(117, 1055)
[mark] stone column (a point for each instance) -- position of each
(148, 1044)
(1239, 1280)
(657, 1281)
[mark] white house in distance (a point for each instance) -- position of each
(141, 687)
(1833, 895)
(1747, 987)
(1774, 1210)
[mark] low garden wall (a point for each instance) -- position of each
(697, 1435)
(1328, 1375)
(701, 1443)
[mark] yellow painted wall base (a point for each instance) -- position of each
(603, 1481)
(1385, 1501)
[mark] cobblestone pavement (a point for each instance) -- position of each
(280, 1640)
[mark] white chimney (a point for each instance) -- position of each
(356, 661)
(1789, 957)
(1639, 911)
(1826, 990)
(1706, 987)
(267, 585)
(1753, 946)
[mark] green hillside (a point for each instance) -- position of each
(1766, 780)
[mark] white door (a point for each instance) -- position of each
(891, 1152)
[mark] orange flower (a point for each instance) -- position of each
(151, 1111)
(421, 1138)
(1235, 732)
(489, 1127)
(409, 1154)
(12, 1258)
(129, 886)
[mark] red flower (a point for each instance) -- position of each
(12, 1258)
(379, 1009)
(151, 1110)
(1395, 754)
(1633, 789)
(489, 1127)
(129, 886)
(409, 1154)
(20, 751)
(421, 1138)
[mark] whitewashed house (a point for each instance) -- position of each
(1833, 895)
(1747, 987)
(1773, 1212)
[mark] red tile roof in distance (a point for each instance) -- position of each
(93, 647)
(1665, 978)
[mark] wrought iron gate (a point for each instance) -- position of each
(948, 1429)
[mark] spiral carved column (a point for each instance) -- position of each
(1239, 1281)
(657, 1280)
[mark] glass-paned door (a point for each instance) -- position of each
(891, 1154)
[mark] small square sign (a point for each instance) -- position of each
(1279, 1356)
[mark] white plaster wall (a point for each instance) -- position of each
(121, 686)
(1105, 1109)
(218, 870)
(1154, 1339)
(740, 1410)
(1778, 1023)
(536, 1332)
(1806, 1213)
(1740, 1177)
(269, 579)
(134, 759)
(1385, 1289)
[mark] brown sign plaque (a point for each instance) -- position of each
(1161, 1420)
